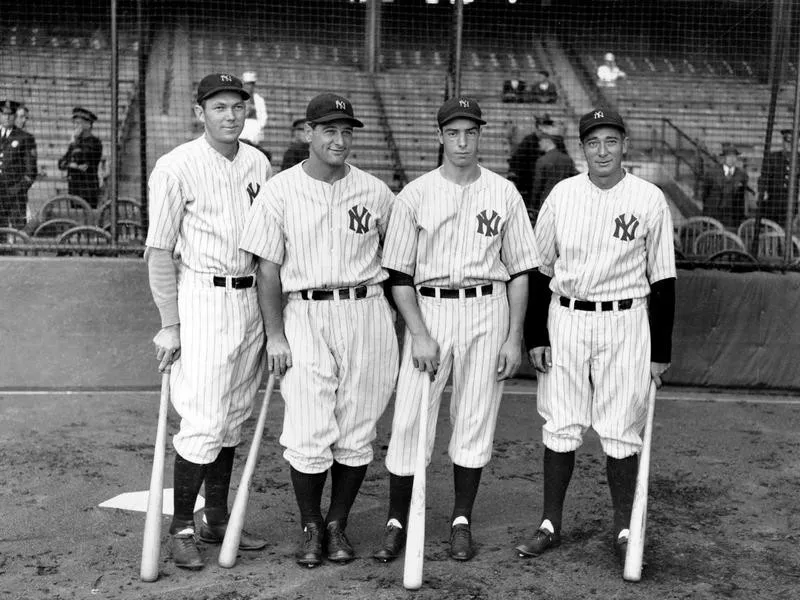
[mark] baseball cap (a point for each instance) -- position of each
(220, 82)
(329, 107)
(9, 106)
(82, 113)
(249, 77)
(598, 118)
(459, 107)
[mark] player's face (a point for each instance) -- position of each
(604, 148)
(223, 116)
(330, 143)
(460, 139)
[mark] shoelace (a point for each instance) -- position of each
(338, 537)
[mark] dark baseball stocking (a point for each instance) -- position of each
(218, 481)
(558, 467)
(187, 479)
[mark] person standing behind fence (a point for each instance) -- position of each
(774, 181)
(298, 148)
(17, 167)
(256, 117)
(723, 189)
(82, 158)
(553, 166)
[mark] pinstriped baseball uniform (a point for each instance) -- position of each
(452, 236)
(600, 245)
(198, 204)
(344, 351)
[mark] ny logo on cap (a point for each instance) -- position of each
(599, 114)
(464, 103)
(340, 105)
(225, 78)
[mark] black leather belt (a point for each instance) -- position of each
(592, 306)
(340, 294)
(471, 292)
(237, 283)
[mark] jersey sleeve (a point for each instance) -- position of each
(400, 245)
(660, 244)
(545, 234)
(387, 201)
(519, 252)
(165, 209)
(263, 233)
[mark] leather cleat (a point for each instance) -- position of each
(310, 552)
(185, 553)
(214, 534)
(337, 546)
(394, 538)
(461, 547)
(540, 542)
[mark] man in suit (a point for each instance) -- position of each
(514, 89)
(17, 167)
(774, 180)
(544, 90)
(724, 188)
(553, 166)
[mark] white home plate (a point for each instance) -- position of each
(137, 501)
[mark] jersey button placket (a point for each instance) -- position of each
(462, 228)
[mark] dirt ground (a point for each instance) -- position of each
(723, 519)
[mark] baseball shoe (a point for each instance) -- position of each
(540, 542)
(310, 552)
(621, 549)
(214, 534)
(461, 542)
(394, 538)
(337, 546)
(184, 550)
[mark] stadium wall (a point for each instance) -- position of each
(89, 323)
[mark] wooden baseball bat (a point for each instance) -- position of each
(635, 553)
(415, 534)
(151, 544)
(233, 532)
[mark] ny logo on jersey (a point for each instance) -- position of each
(252, 191)
(488, 225)
(625, 231)
(340, 105)
(359, 221)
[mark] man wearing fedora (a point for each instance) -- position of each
(774, 180)
(723, 189)
(82, 158)
(17, 167)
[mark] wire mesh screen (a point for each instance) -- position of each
(694, 80)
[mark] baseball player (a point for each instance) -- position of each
(605, 240)
(317, 230)
(458, 249)
(212, 332)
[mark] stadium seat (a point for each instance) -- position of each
(692, 228)
(128, 209)
(711, 242)
(53, 228)
(128, 231)
(83, 235)
(9, 235)
(67, 206)
(735, 260)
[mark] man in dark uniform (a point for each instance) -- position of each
(775, 180)
(553, 166)
(724, 188)
(298, 148)
(82, 158)
(17, 167)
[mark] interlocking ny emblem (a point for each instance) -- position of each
(625, 230)
(225, 78)
(359, 221)
(340, 105)
(252, 191)
(464, 103)
(599, 114)
(488, 225)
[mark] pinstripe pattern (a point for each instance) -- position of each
(304, 225)
(470, 333)
(601, 245)
(575, 234)
(435, 234)
(198, 204)
(344, 352)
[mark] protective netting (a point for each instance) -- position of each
(694, 80)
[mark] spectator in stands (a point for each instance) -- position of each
(82, 158)
(22, 116)
(774, 181)
(523, 159)
(544, 91)
(298, 148)
(514, 89)
(609, 72)
(553, 166)
(723, 189)
(256, 116)
(17, 167)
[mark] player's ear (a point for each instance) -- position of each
(308, 129)
(198, 112)
(625, 140)
(439, 135)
